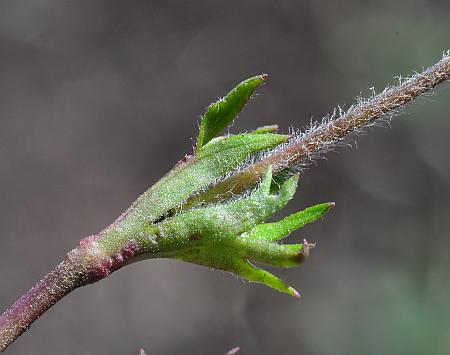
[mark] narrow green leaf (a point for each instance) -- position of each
(273, 254)
(249, 272)
(224, 259)
(278, 230)
(221, 113)
(241, 144)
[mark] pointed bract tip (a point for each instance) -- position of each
(328, 206)
(293, 292)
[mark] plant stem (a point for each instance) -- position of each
(94, 259)
(70, 274)
(330, 132)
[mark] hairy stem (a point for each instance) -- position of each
(330, 132)
(94, 259)
(70, 274)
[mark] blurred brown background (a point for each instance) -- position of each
(98, 99)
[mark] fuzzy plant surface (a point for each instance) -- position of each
(212, 208)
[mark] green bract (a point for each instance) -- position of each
(214, 160)
(227, 234)
(221, 113)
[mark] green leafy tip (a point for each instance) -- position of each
(220, 114)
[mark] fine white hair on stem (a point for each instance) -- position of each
(382, 107)
(334, 130)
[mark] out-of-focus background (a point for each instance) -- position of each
(98, 99)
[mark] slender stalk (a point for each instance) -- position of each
(94, 259)
(330, 132)
(70, 274)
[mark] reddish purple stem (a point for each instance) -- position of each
(70, 274)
